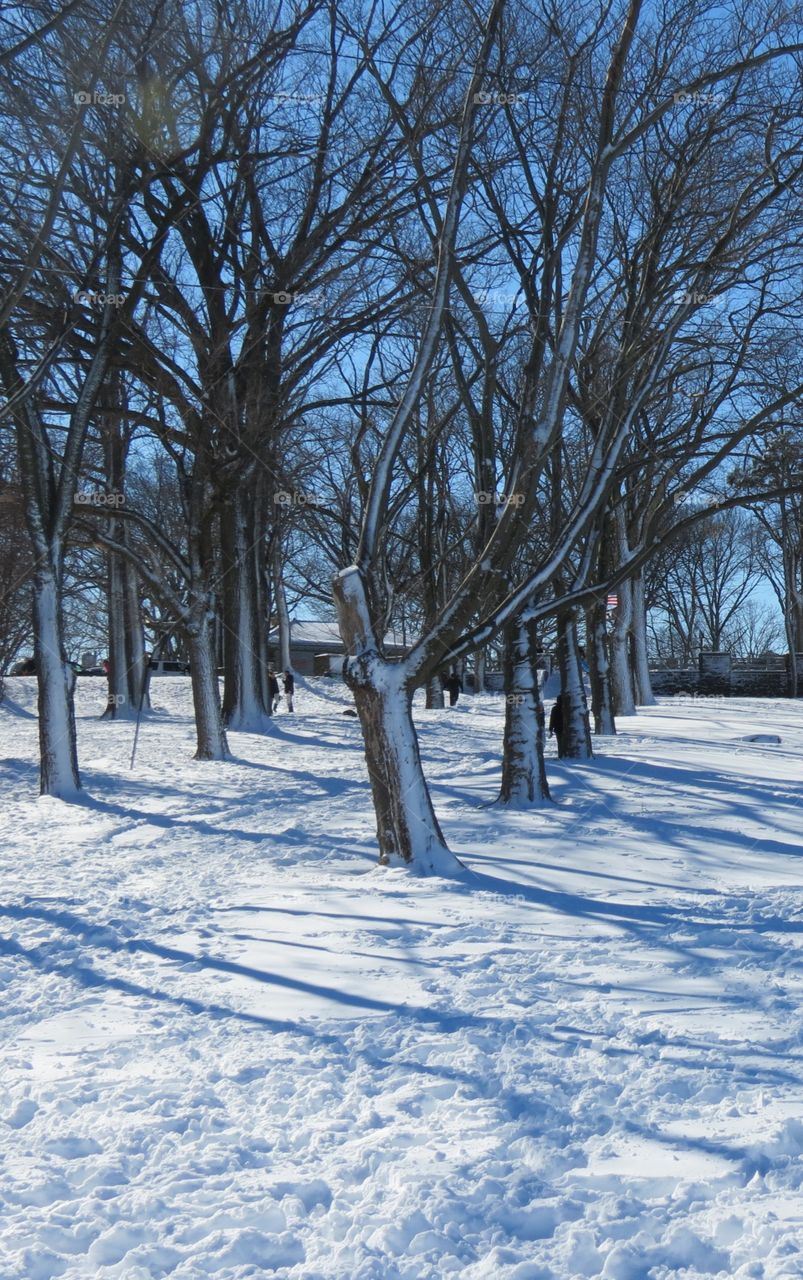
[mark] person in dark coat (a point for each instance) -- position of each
(273, 692)
(556, 722)
(289, 688)
(452, 686)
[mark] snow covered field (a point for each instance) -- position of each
(232, 1047)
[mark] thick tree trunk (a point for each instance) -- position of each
(210, 733)
(524, 780)
(57, 744)
(599, 671)
(243, 705)
(576, 737)
(434, 694)
(624, 697)
(641, 661)
(408, 831)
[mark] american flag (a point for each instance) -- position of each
(613, 601)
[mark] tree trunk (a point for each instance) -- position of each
(282, 612)
(480, 660)
(118, 703)
(599, 671)
(210, 733)
(408, 831)
(524, 780)
(434, 694)
(641, 662)
(576, 738)
(57, 744)
(136, 662)
(243, 705)
(624, 698)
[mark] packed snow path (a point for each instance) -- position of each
(232, 1048)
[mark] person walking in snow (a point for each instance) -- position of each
(289, 688)
(556, 724)
(273, 692)
(452, 686)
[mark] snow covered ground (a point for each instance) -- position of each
(231, 1047)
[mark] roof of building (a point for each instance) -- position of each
(324, 636)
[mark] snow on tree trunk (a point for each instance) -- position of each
(597, 647)
(243, 704)
(524, 780)
(210, 733)
(624, 696)
(641, 663)
(58, 753)
(408, 831)
(576, 737)
(434, 694)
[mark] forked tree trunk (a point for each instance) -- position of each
(624, 697)
(210, 733)
(524, 780)
(576, 739)
(641, 661)
(408, 831)
(599, 671)
(243, 705)
(58, 773)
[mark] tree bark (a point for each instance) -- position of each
(599, 671)
(408, 830)
(624, 698)
(480, 659)
(210, 732)
(243, 704)
(118, 704)
(524, 780)
(136, 662)
(641, 662)
(282, 612)
(434, 694)
(57, 743)
(576, 740)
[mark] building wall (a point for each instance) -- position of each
(739, 683)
